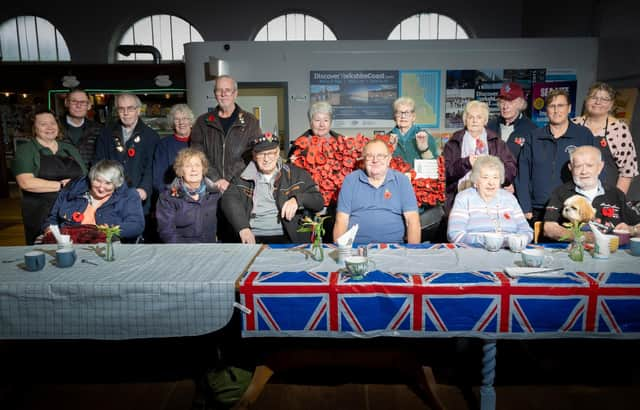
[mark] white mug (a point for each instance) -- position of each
(493, 241)
(535, 258)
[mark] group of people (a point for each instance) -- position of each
(220, 178)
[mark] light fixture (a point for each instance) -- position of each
(70, 81)
(163, 81)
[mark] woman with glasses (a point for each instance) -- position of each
(466, 145)
(411, 142)
(181, 118)
(266, 202)
(613, 136)
(186, 212)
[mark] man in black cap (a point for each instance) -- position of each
(512, 125)
(266, 202)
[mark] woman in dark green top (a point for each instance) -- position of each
(412, 142)
(42, 167)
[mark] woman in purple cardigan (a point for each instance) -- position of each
(466, 145)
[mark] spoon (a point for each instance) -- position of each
(11, 260)
(88, 261)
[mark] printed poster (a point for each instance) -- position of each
(540, 91)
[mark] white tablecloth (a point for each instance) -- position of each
(148, 291)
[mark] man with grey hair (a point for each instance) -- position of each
(132, 143)
(512, 125)
(610, 204)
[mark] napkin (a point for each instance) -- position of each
(517, 271)
(347, 238)
(60, 238)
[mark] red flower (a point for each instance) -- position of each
(268, 135)
(507, 216)
(131, 152)
(211, 118)
(302, 142)
(77, 216)
(607, 211)
(603, 142)
(387, 194)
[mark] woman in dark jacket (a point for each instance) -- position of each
(186, 212)
(100, 198)
(466, 145)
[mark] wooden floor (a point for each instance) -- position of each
(518, 387)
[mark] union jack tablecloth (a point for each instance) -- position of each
(600, 300)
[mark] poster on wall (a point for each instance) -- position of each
(540, 91)
(423, 86)
(625, 103)
(360, 99)
(483, 85)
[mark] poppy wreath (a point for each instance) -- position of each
(329, 161)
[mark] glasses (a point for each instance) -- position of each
(600, 99)
(131, 108)
(556, 107)
(403, 113)
(267, 155)
(377, 157)
(224, 91)
(78, 102)
(181, 120)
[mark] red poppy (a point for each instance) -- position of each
(211, 118)
(131, 152)
(302, 142)
(268, 135)
(607, 211)
(603, 142)
(320, 159)
(507, 216)
(387, 194)
(315, 140)
(77, 216)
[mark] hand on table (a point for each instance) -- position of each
(246, 236)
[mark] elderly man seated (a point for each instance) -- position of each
(610, 204)
(266, 202)
(379, 199)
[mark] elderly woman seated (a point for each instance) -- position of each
(186, 212)
(101, 198)
(486, 207)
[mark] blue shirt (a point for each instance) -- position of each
(377, 211)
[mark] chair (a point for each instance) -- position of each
(537, 228)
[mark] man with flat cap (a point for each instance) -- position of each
(512, 125)
(265, 203)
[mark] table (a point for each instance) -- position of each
(149, 291)
(441, 291)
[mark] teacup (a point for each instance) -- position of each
(34, 260)
(535, 258)
(634, 246)
(517, 242)
(65, 257)
(623, 236)
(493, 241)
(614, 242)
(358, 266)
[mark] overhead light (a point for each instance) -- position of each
(70, 81)
(163, 81)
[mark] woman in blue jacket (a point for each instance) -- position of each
(100, 198)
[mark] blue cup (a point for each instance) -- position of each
(634, 246)
(65, 257)
(34, 260)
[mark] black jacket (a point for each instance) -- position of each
(291, 182)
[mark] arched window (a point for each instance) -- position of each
(428, 26)
(294, 27)
(31, 38)
(166, 33)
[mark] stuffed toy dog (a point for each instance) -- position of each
(578, 209)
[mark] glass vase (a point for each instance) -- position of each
(576, 250)
(317, 252)
(109, 256)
